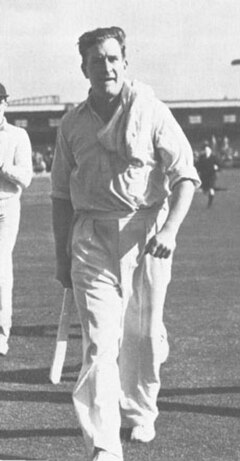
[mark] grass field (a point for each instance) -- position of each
(199, 401)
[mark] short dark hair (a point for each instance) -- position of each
(3, 92)
(99, 35)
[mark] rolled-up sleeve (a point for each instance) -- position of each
(63, 163)
(173, 148)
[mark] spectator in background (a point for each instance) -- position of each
(39, 165)
(207, 166)
(214, 145)
(48, 158)
(226, 151)
(15, 174)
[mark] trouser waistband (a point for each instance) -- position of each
(116, 214)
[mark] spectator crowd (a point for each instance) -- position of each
(42, 162)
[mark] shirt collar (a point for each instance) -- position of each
(3, 125)
(124, 100)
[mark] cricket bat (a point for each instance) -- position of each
(62, 337)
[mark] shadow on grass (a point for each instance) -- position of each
(26, 433)
(198, 391)
(66, 398)
(35, 375)
(200, 409)
(36, 396)
(43, 331)
(16, 458)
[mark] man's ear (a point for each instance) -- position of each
(84, 70)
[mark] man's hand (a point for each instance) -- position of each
(162, 245)
(63, 275)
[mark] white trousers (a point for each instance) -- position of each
(9, 225)
(120, 294)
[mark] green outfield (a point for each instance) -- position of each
(199, 401)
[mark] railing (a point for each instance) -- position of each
(49, 99)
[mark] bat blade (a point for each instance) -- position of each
(62, 337)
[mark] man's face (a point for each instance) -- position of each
(3, 105)
(105, 67)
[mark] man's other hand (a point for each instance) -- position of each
(162, 245)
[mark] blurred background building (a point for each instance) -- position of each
(213, 121)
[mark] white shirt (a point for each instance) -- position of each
(98, 178)
(16, 160)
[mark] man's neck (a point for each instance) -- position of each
(104, 107)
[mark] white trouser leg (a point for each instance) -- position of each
(9, 225)
(144, 346)
(98, 297)
(112, 275)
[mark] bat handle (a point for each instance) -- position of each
(62, 337)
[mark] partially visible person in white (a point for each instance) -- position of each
(15, 175)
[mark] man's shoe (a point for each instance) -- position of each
(143, 433)
(103, 455)
(3, 345)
